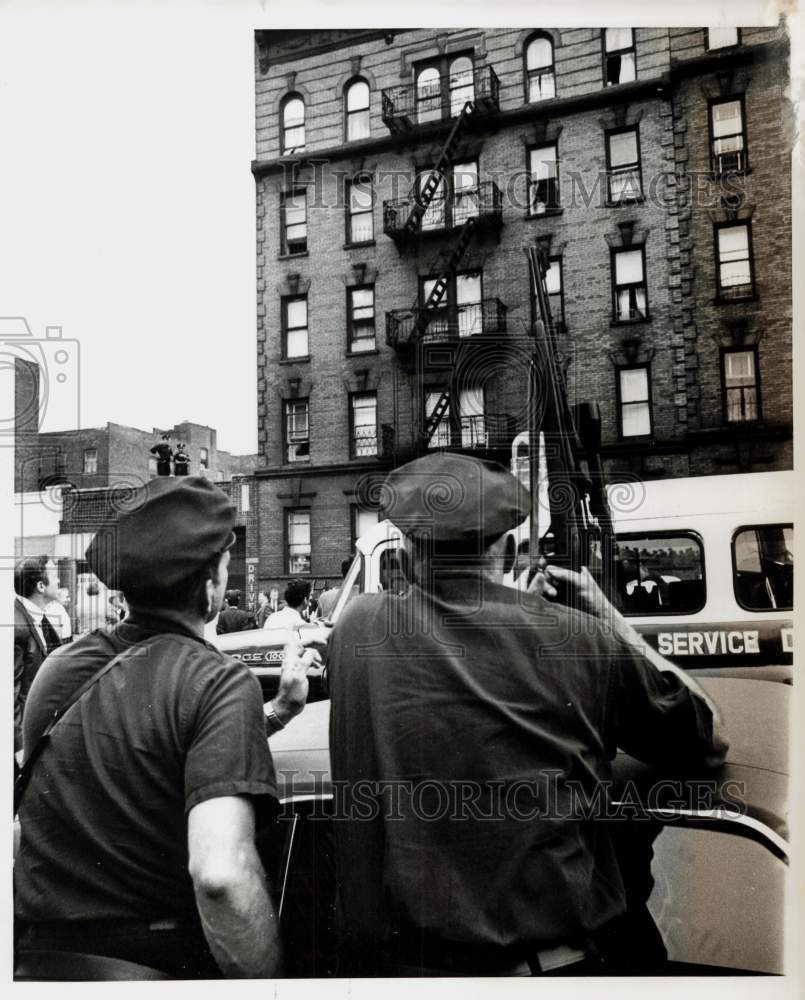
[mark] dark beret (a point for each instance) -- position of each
(169, 529)
(454, 498)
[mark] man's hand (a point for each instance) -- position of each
(291, 697)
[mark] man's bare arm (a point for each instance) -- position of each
(230, 886)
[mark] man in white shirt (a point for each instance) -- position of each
(36, 583)
(296, 595)
(57, 612)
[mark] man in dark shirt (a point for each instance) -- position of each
(469, 725)
(164, 454)
(231, 618)
(181, 461)
(138, 825)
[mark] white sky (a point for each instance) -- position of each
(126, 199)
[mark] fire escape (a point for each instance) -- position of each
(429, 336)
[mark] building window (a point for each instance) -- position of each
(293, 124)
(728, 136)
(356, 98)
(363, 430)
(629, 267)
(297, 430)
(441, 435)
(203, 459)
(734, 251)
(428, 94)
(361, 319)
(360, 201)
(553, 285)
(455, 199)
(433, 100)
(245, 500)
(741, 397)
(297, 533)
(543, 172)
(623, 165)
(634, 401)
(472, 418)
(619, 56)
(721, 38)
(294, 327)
(361, 521)
(461, 84)
(294, 222)
(539, 69)
(460, 312)
(90, 461)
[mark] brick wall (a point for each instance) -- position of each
(669, 107)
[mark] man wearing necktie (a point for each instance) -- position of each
(36, 583)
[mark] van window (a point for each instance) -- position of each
(392, 578)
(660, 574)
(763, 567)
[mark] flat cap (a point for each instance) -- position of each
(454, 498)
(169, 529)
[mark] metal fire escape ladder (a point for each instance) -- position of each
(431, 185)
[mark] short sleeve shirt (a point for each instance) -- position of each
(104, 818)
(468, 729)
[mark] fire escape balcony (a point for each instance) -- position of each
(467, 323)
(409, 107)
(445, 214)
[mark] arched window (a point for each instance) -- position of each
(356, 100)
(293, 124)
(539, 72)
(461, 85)
(429, 94)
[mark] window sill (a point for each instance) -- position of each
(630, 322)
(359, 245)
(362, 354)
(646, 439)
(741, 300)
(293, 465)
(625, 201)
(714, 175)
(362, 458)
(293, 256)
(546, 214)
(294, 361)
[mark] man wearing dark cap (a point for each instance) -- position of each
(464, 715)
(138, 825)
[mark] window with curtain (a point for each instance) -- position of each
(543, 169)
(294, 222)
(740, 386)
(297, 430)
(630, 285)
(619, 56)
(539, 69)
(361, 319)
(728, 136)
(297, 533)
(360, 224)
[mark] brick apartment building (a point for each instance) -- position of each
(652, 167)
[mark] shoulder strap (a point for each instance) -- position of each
(24, 773)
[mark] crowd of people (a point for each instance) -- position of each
(143, 812)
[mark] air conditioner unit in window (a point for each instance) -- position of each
(730, 163)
